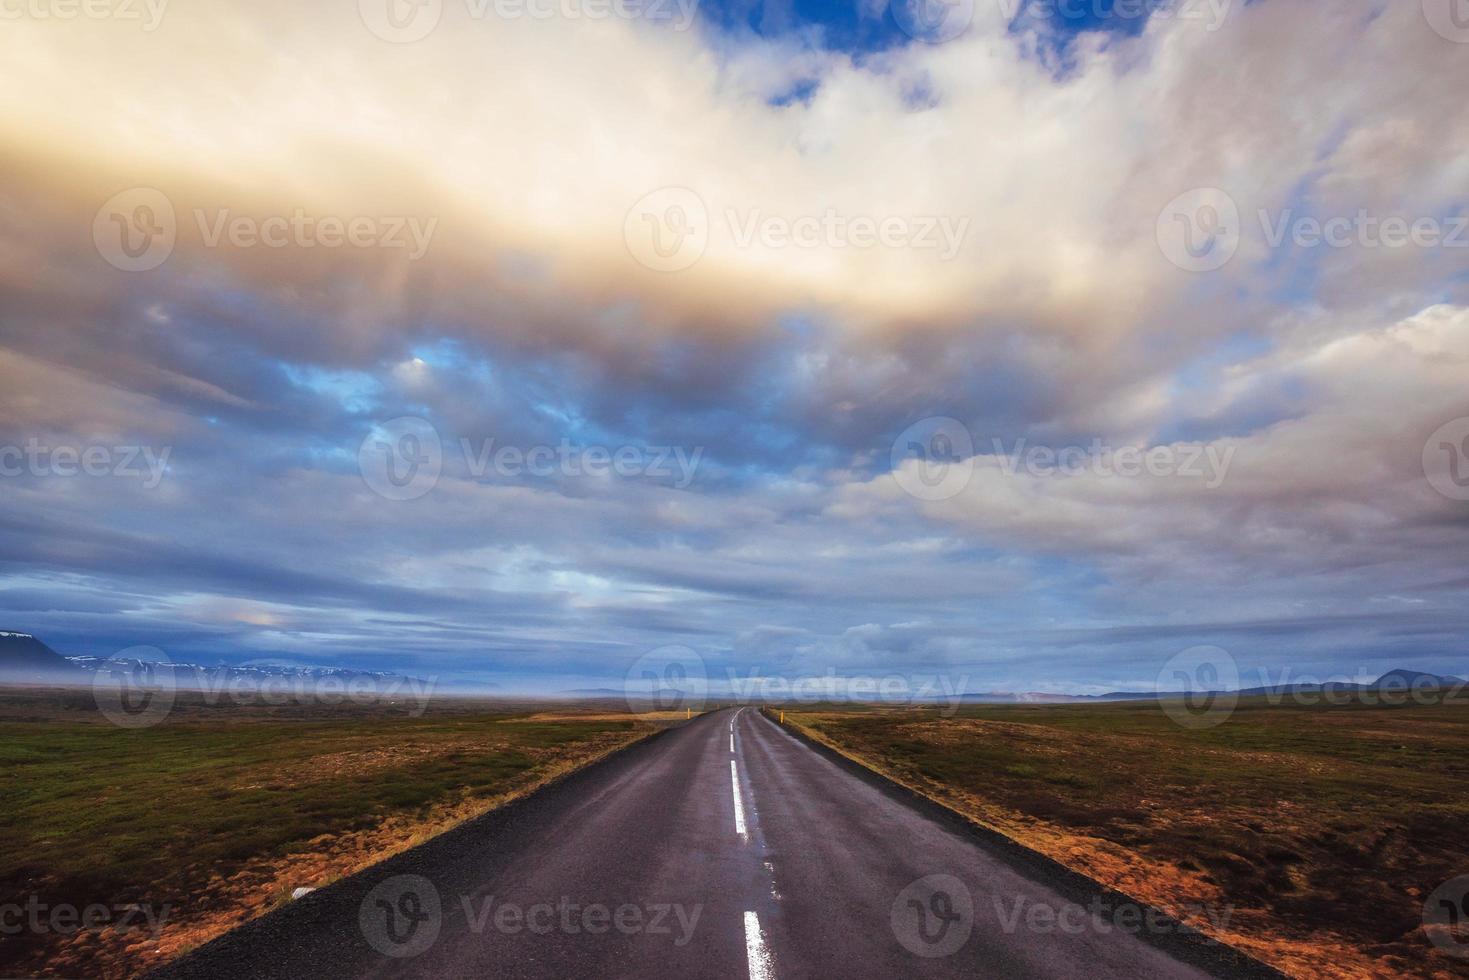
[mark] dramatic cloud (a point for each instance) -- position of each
(749, 262)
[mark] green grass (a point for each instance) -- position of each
(94, 812)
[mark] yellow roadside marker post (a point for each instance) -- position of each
(782, 717)
(690, 714)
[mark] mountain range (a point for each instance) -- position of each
(1400, 679)
(25, 659)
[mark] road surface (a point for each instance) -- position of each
(726, 847)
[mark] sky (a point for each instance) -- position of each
(511, 342)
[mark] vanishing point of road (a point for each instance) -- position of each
(725, 847)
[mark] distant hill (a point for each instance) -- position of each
(1400, 679)
(26, 660)
(1416, 678)
(1394, 680)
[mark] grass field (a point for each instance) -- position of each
(219, 813)
(1318, 832)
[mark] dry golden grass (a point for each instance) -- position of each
(1320, 831)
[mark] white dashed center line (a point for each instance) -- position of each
(755, 950)
(739, 803)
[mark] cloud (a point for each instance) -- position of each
(791, 363)
(1325, 510)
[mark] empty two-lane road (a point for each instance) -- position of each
(723, 848)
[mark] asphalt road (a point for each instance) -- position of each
(725, 847)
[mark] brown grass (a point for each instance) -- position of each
(1319, 831)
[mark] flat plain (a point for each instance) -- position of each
(183, 830)
(1308, 836)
